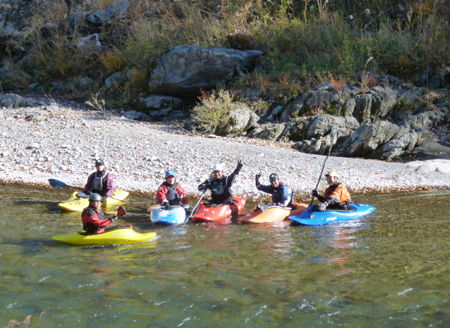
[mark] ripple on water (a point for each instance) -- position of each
(390, 269)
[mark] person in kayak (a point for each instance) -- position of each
(171, 192)
(282, 195)
(220, 185)
(93, 218)
(336, 196)
(100, 182)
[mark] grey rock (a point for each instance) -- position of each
(362, 109)
(133, 115)
(440, 80)
(268, 131)
(368, 137)
(384, 101)
(389, 81)
(291, 110)
(188, 69)
(277, 110)
(238, 120)
(155, 102)
(14, 101)
(322, 124)
(115, 79)
(115, 11)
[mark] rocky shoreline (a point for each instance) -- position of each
(62, 140)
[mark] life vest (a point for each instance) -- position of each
(219, 190)
(338, 190)
(98, 183)
(89, 227)
(282, 194)
(172, 196)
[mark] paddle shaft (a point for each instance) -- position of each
(195, 207)
(321, 172)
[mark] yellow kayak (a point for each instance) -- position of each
(77, 204)
(124, 235)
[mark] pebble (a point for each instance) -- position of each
(139, 153)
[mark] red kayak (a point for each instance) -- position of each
(208, 211)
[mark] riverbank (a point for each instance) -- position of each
(62, 140)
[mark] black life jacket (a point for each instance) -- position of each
(172, 196)
(99, 182)
(89, 227)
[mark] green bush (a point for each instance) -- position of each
(213, 112)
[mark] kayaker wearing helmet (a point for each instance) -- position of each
(282, 195)
(100, 182)
(171, 192)
(93, 218)
(336, 196)
(219, 184)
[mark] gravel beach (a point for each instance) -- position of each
(62, 140)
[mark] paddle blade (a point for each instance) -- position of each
(121, 211)
(56, 183)
(262, 207)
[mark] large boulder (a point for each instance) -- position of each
(321, 146)
(398, 147)
(188, 69)
(367, 138)
(268, 131)
(14, 101)
(322, 124)
(433, 165)
(426, 119)
(238, 120)
(384, 100)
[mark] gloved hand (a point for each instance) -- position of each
(88, 192)
(113, 218)
(104, 199)
(186, 207)
(204, 187)
(322, 206)
(257, 177)
(315, 193)
(165, 202)
(239, 167)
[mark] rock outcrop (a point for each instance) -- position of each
(189, 69)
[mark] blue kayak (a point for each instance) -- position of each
(311, 217)
(171, 215)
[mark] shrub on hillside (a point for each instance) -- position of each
(213, 112)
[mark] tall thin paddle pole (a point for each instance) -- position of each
(323, 167)
(195, 207)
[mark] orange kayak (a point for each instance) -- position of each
(208, 211)
(273, 213)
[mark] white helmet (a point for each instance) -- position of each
(218, 167)
(332, 174)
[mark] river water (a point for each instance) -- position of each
(388, 270)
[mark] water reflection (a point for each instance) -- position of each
(389, 270)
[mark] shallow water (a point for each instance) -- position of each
(388, 270)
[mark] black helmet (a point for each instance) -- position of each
(99, 162)
(95, 197)
(273, 176)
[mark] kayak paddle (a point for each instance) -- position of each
(323, 167)
(262, 206)
(195, 207)
(59, 184)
